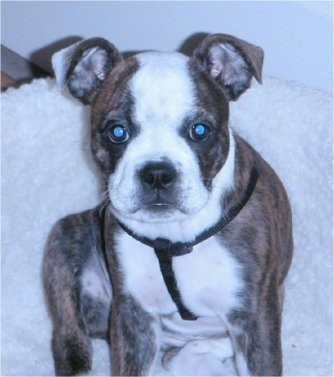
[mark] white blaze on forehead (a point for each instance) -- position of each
(162, 89)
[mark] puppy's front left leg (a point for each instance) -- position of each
(134, 345)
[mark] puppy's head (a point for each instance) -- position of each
(160, 130)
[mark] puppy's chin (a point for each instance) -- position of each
(152, 213)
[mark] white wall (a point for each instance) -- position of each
(296, 36)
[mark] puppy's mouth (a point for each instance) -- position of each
(159, 206)
(158, 203)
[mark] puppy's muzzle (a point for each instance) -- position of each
(158, 182)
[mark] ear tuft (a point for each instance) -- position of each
(230, 61)
(83, 66)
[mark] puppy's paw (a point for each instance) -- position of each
(72, 355)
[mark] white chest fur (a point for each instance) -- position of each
(208, 278)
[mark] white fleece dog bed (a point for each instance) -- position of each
(47, 172)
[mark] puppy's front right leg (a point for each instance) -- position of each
(134, 344)
(77, 291)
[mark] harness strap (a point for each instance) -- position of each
(166, 267)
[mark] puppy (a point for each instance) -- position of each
(183, 264)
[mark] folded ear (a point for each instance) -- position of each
(83, 66)
(232, 62)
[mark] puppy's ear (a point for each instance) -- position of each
(230, 61)
(83, 66)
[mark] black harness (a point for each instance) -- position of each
(165, 250)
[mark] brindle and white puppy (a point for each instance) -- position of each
(173, 168)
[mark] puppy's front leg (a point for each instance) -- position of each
(258, 344)
(133, 338)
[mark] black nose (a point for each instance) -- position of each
(158, 175)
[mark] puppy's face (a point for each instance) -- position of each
(160, 135)
(160, 123)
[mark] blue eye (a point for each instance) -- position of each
(199, 132)
(118, 134)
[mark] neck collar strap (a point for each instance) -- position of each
(165, 249)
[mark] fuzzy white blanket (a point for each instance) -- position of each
(47, 172)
